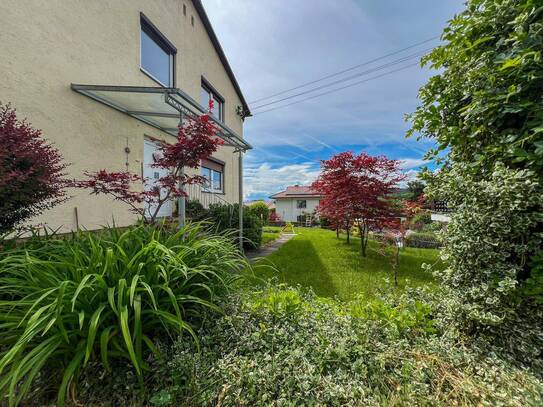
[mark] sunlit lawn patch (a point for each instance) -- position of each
(315, 258)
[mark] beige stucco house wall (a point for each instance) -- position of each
(47, 45)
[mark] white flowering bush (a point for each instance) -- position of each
(488, 248)
(483, 111)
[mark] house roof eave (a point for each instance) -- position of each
(222, 56)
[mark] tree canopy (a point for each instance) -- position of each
(356, 189)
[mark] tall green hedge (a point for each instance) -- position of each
(226, 217)
(484, 110)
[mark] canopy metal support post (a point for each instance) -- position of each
(240, 198)
(182, 199)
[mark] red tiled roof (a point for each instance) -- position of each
(297, 191)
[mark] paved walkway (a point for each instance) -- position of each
(270, 248)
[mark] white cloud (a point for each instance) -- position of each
(410, 175)
(409, 163)
(265, 180)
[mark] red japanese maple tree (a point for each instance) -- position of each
(196, 140)
(356, 190)
(31, 172)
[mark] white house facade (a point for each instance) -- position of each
(296, 202)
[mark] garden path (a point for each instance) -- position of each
(270, 248)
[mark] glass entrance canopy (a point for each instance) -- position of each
(158, 107)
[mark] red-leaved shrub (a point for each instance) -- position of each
(31, 172)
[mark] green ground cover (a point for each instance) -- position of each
(316, 258)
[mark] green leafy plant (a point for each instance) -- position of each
(195, 210)
(69, 301)
(279, 302)
(422, 218)
(414, 316)
(226, 219)
(261, 211)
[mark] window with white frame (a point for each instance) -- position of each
(213, 172)
(207, 95)
(301, 204)
(157, 54)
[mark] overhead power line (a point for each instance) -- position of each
(336, 82)
(337, 89)
(346, 70)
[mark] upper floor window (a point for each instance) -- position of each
(208, 94)
(213, 172)
(157, 54)
(301, 204)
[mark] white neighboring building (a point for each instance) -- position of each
(440, 211)
(296, 201)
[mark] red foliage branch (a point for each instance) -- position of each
(116, 184)
(31, 171)
(196, 140)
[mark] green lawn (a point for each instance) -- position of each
(315, 258)
(270, 233)
(268, 237)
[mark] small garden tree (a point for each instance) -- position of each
(337, 214)
(31, 172)
(391, 241)
(357, 188)
(393, 227)
(196, 140)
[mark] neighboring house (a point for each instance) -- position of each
(105, 79)
(296, 201)
(439, 211)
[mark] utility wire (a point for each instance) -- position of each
(372, 70)
(338, 89)
(347, 69)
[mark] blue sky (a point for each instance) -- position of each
(280, 44)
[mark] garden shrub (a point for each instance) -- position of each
(414, 315)
(434, 227)
(295, 349)
(483, 109)
(67, 302)
(488, 249)
(226, 218)
(195, 211)
(423, 240)
(422, 218)
(32, 177)
(260, 210)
